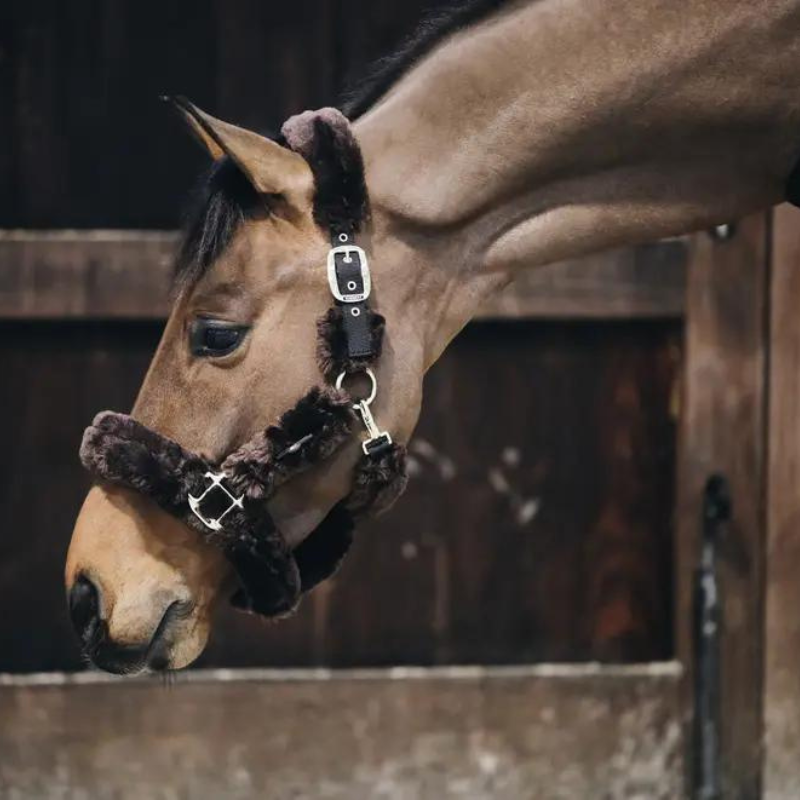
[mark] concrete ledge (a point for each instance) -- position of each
(544, 732)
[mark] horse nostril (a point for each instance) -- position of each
(84, 606)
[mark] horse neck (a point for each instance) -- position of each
(555, 128)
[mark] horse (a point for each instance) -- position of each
(502, 137)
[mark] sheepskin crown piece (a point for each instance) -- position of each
(226, 502)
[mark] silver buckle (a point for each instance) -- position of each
(216, 483)
(350, 296)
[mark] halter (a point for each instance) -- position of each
(226, 502)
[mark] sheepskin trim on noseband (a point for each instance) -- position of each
(325, 140)
(332, 353)
(306, 434)
(120, 450)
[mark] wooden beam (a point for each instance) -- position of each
(125, 274)
(506, 733)
(722, 430)
(782, 646)
(647, 281)
(85, 274)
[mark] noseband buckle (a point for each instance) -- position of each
(195, 503)
(349, 282)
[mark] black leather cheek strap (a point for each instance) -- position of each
(356, 317)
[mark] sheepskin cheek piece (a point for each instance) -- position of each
(117, 449)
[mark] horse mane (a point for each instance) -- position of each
(222, 201)
(225, 198)
(431, 31)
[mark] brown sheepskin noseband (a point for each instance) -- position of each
(226, 502)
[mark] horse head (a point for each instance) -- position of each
(240, 347)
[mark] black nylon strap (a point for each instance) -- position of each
(357, 330)
(356, 317)
(378, 447)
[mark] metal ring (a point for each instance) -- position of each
(355, 311)
(373, 392)
(343, 237)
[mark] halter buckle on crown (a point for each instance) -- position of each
(349, 294)
(195, 503)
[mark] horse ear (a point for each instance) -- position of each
(187, 113)
(271, 168)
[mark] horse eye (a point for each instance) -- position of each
(215, 337)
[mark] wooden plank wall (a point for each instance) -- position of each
(723, 430)
(85, 141)
(782, 638)
(542, 535)
(120, 274)
(549, 733)
(545, 534)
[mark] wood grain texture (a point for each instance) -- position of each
(101, 274)
(105, 274)
(642, 282)
(534, 528)
(59, 375)
(782, 646)
(723, 420)
(630, 543)
(94, 146)
(500, 552)
(273, 60)
(522, 734)
(514, 543)
(9, 173)
(86, 142)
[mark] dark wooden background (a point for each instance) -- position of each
(85, 141)
(538, 524)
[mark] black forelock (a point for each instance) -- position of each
(223, 200)
(439, 24)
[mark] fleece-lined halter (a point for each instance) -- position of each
(226, 502)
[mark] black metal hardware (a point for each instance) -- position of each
(707, 636)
